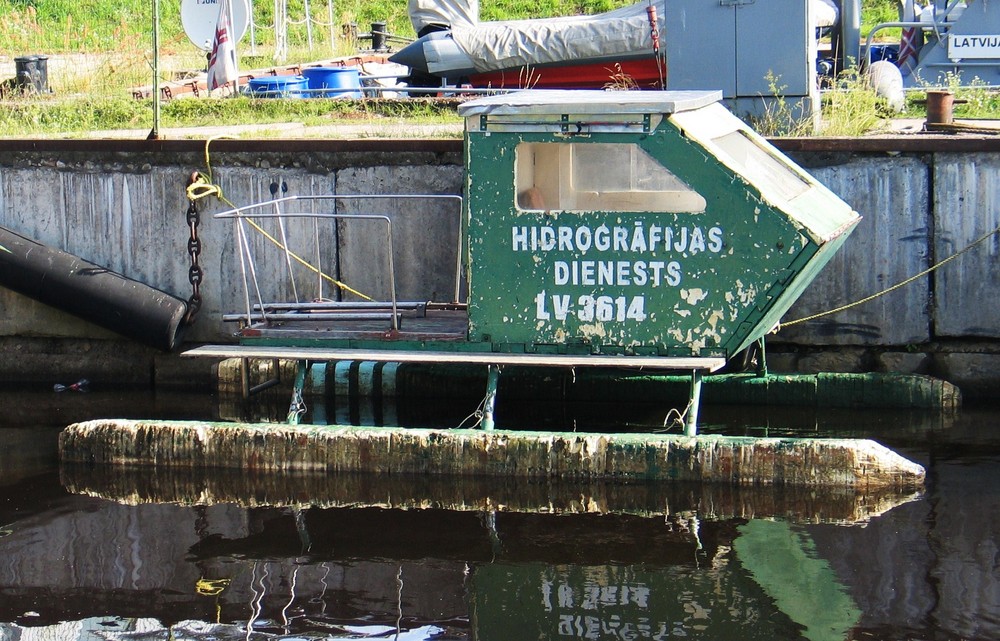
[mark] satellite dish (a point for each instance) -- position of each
(199, 18)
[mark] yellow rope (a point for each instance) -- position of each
(898, 285)
(305, 263)
(202, 186)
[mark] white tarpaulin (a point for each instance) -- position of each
(515, 43)
(424, 13)
(481, 47)
(825, 13)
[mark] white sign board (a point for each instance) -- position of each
(963, 46)
(199, 18)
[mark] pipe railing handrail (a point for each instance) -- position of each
(272, 209)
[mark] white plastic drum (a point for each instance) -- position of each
(199, 18)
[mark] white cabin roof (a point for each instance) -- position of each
(576, 101)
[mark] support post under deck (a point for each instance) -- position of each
(249, 390)
(297, 407)
(761, 358)
(694, 401)
(492, 379)
(697, 365)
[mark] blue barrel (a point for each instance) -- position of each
(278, 87)
(339, 82)
(883, 52)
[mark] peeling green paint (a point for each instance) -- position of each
(635, 275)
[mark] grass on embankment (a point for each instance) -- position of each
(110, 45)
(77, 117)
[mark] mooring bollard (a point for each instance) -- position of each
(32, 73)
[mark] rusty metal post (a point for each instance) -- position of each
(940, 105)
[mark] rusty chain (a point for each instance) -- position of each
(195, 272)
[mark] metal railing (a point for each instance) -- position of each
(245, 220)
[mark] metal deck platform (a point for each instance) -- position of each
(704, 364)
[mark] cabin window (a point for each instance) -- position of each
(761, 168)
(598, 177)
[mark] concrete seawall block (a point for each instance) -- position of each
(977, 374)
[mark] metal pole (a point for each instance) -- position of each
(297, 407)
(253, 33)
(492, 379)
(284, 241)
(155, 133)
(333, 32)
(762, 358)
(850, 25)
(309, 29)
(691, 423)
(236, 58)
(392, 275)
(319, 261)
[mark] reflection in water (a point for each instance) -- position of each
(667, 569)
(304, 572)
(151, 554)
(543, 601)
(839, 505)
(784, 563)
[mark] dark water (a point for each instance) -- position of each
(150, 554)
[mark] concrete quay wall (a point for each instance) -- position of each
(122, 205)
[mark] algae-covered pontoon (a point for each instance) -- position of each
(627, 229)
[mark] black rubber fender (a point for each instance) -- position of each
(91, 292)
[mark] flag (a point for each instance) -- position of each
(222, 64)
(910, 40)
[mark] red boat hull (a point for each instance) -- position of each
(645, 73)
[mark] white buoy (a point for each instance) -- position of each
(887, 81)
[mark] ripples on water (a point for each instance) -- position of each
(156, 554)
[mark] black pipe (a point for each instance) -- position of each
(89, 291)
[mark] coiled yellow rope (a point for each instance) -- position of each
(202, 186)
